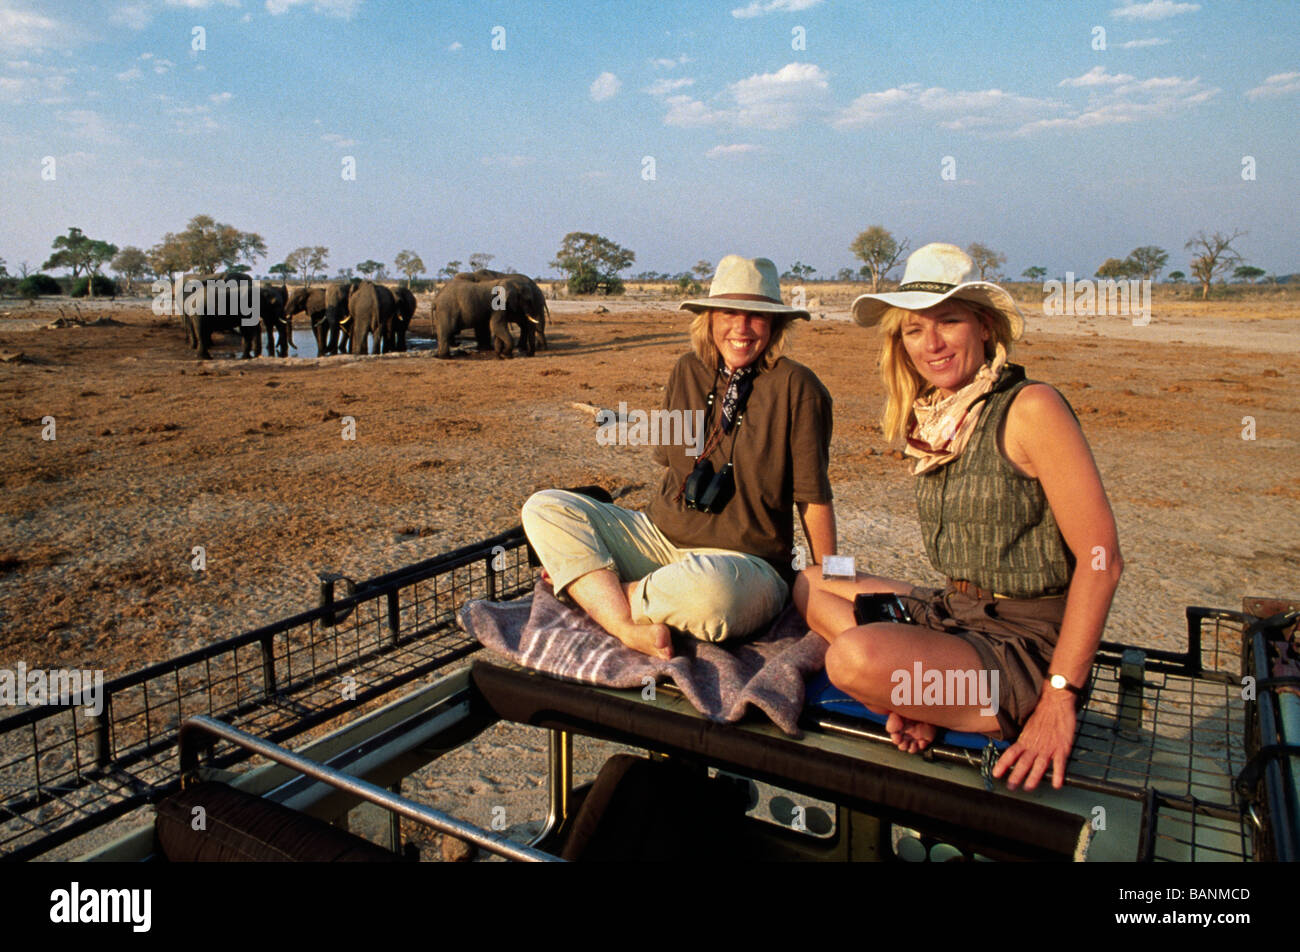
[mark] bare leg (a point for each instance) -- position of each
(606, 600)
(827, 604)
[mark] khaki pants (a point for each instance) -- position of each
(713, 594)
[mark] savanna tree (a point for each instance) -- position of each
(130, 263)
(590, 260)
(370, 268)
(409, 263)
(478, 260)
(985, 258)
(206, 246)
(1148, 261)
(879, 252)
(1117, 269)
(1036, 273)
(1247, 272)
(307, 261)
(1213, 256)
(80, 253)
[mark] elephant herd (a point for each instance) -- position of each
(364, 317)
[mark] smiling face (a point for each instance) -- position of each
(740, 336)
(945, 344)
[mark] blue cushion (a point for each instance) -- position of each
(823, 695)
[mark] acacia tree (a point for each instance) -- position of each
(1117, 269)
(1248, 272)
(370, 268)
(1036, 273)
(1216, 256)
(702, 269)
(307, 261)
(985, 258)
(409, 263)
(590, 260)
(1176, 277)
(450, 269)
(1148, 261)
(79, 252)
(880, 252)
(478, 260)
(206, 245)
(130, 263)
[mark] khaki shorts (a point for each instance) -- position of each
(1014, 636)
(712, 594)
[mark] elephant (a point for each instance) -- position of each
(372, 310)
(229, 303)
(487, 302)
(275, 319)
(336, 335)
(404, 301)
(312, 302)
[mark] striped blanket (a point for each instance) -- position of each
(767, 671)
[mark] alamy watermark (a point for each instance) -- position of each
(624, 427)
(1089, 298)
(934, 687)
(24, 687)
(213, 297)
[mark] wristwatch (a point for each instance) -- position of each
(1060, 682)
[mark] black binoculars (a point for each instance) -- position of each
(707, 491)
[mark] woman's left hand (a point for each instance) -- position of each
(1046, 741)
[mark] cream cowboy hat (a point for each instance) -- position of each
(934, 274)
(744, 284)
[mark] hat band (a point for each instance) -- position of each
(744, 297)
(938, 287)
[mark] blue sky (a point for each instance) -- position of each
(1059, 154)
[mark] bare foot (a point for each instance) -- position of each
(910, 737)
(654, 640)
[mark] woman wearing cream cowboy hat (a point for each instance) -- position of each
(1012, 511)
(712, 557)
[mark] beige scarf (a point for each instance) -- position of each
(942, 426)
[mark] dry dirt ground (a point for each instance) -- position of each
(155, 453)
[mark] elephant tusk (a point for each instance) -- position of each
(535, 321)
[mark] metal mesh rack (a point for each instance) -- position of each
(65, 771)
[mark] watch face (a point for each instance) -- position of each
(1059, 682)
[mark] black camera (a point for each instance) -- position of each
(707, 491)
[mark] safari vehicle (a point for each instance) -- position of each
(283, 731)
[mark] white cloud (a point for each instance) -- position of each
(29, 82)
(1141, 44)
(777, 100)
(333, 138)
(161, 66)
(665, 63)
(87, 124)
(134, 16)
(605, 86)
(454, 46)
(202, 4)
(127, 75)
(953, 109)
(24, 30)
(507, 161)
(1154, 10)
(1279, 84)
(1097, 76)
(759, 7)
(728, 151)
(333, 8)
(662, 87)
(222, 97)
(1119, 98)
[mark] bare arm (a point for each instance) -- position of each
(818, 520)
(1044, 440)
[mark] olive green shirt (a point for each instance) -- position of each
(985, 522)
(780, 453)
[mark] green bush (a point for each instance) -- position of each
(104, 287)
(688, 285)
(37, 284)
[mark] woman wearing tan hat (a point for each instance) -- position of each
(713, 555)
(1012, 511)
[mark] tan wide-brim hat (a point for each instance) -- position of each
(744, 284)
(934, 274)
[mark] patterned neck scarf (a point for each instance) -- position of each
(942, 426)
(740, 383)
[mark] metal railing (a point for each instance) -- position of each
(65, 772)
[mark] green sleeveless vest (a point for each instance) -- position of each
(985, 523)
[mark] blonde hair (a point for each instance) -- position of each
(903, 382)
(707, 351)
